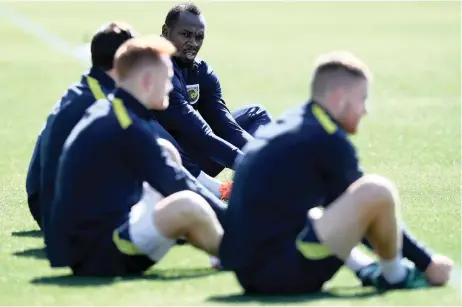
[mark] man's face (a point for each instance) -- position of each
(159, 83)
(187, 35)
(354, 106)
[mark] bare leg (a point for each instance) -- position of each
(366, 208)
(187, 214)
(369, 208)
(203, 233)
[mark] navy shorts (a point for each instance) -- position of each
(288, 271)
(129, 249)
(105, 259)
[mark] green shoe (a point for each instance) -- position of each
(415, 279)
(368, 274)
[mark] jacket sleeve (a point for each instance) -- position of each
(215, 112)
(181, 118)
(340, 164)
(155, 166)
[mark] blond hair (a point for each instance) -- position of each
(334, 68)
(136, 52)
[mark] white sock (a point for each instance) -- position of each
(358, 260)
(393, 270)
(212, 184)
(214, 261)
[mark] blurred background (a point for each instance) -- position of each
(263, 52)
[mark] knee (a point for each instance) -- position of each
(192, 207)
(378, 190)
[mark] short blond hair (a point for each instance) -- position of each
(337, 66)
(137, 51)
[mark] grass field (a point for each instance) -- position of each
(263, 53)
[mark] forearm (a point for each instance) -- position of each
(413, 250)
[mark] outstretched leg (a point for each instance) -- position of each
(186, 214)
(156, 223)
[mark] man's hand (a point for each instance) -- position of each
(439, 270)
(225, 190)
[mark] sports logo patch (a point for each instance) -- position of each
(193, 93)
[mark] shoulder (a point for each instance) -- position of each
(84, 100)
(328, 136)
(320, 123)
(202, 65)
(139, 133)
(76, 90)
(334, 147)
(130, 121)
(76, 94)
(314, 127)
(205, 69)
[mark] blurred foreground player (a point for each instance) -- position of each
(93, 85)
(121, 199)
(285, 243)
(198, 117)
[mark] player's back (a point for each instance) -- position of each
(42, 168)
(280, 178)
(59, 124)
(96, 186)
(65, 115)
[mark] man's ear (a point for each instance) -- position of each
(337, 98)
(165, 31)
(146, 80)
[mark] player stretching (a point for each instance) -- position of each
(198, 117)
(94, 85)
(273, 241)
(104, 220)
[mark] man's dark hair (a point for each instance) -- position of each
(175, 11)
(106, 41)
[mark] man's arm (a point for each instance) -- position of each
(188, 163)
(157, 168)
(215, 112)
(339, 163)
(181, 118)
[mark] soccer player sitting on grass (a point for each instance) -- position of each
(197, 116)
(281, 242)
(121, 198)
(93, 85)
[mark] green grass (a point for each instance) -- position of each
(263, 53)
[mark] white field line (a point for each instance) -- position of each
(80, 54)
